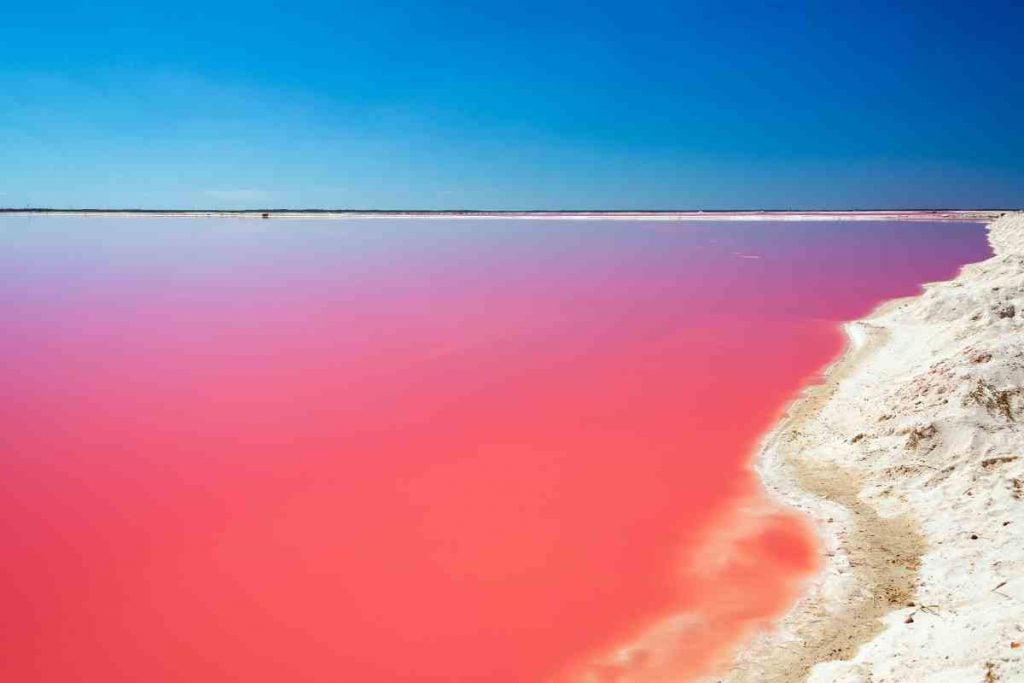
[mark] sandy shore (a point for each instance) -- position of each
(910, 459)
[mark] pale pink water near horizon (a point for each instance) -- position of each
(410, 450)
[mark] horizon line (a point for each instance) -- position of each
(504, 212)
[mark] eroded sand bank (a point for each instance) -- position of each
(910, 459)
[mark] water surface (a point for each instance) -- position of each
(410, 450)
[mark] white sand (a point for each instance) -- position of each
(910, 457)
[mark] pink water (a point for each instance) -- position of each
(240, 450)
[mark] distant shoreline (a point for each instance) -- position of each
(330, 214)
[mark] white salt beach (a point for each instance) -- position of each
(910, 459)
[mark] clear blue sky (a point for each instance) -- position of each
(529, 104)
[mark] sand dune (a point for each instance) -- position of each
(910, 457)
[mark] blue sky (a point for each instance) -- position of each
(487, 105)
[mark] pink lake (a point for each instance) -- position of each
(410, 450)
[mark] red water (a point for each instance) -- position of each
(408, 450)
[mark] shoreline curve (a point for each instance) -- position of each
(924, 394)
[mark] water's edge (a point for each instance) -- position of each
(866, 551)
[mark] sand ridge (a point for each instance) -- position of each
(910, 459)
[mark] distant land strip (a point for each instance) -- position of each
(909, 214)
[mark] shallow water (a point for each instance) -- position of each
(410, 450)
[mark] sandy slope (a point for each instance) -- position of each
(910, 457)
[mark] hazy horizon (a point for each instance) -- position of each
(496, 212)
